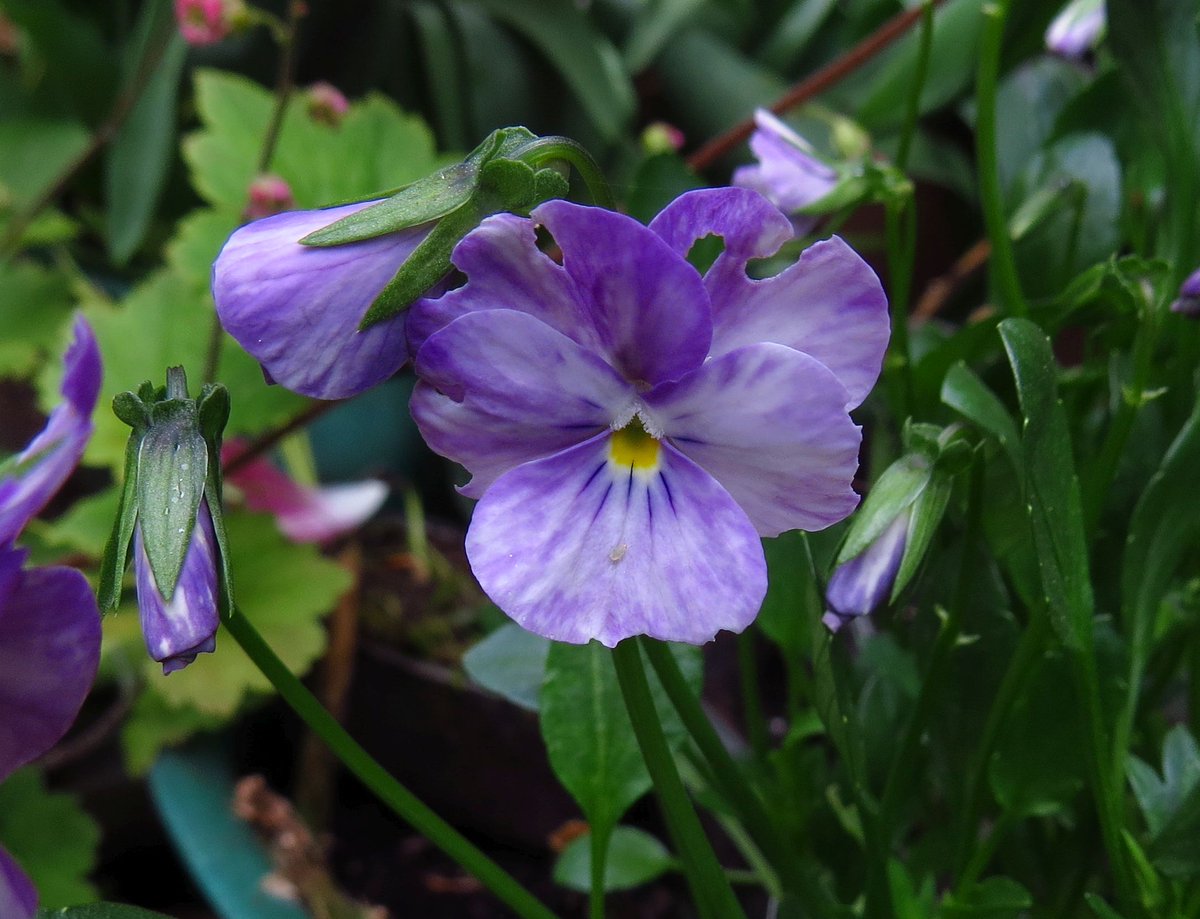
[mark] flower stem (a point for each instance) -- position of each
(598, 840)
(706, 877)
(728, 777)
(1003, 265)
(376, 778)
(546, 150)
(918, 85)
(284, 81)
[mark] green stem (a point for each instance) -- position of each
(756, 725)
(706, 877)
(284, 81)
(1004, 267)
(599, 839)
(984, 853)
(728, 777)
(900, 234)
(917, 86)
(376, 778)
(546, 150)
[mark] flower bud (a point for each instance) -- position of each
(268, 195)
(863, 584)
(18, 899)
(1188, 302)
(1077, 28)
(206, 22)
(661, 137)
(327, 104)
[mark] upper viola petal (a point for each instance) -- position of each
(646, 304)
(40, 470)
(49, 653)
(829, 304)
(499, 388)
(748, 224)
(788, 172)
(297, 308)
(505, 271)
(770, 424)
(18, 899)
(575, 547)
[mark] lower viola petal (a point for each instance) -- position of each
(179, 628)
(297, 308)
(49, 653)
(770, 424)
(18, 899)
(575, 547)
(499, 388)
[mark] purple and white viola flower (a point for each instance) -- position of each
(49, 621)
(633, 427)
(1077, 28)
(296, 309)
(863, 584)
(303, 514)
(178, 629)
(788, 172)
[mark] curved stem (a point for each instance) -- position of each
(1003, 264)
(706, 877)
(283, 83)
(546, 150)
(918, 85)
(725, 771)
(411, 809)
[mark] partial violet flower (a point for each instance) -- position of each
(1077, 28)
(303, 514)
(267, 196)
(327, 104)
(632, 427)
(179, 628)
(32, 477)
(49, 621)
(297, 308)
(1188, 302)
(863, 584)
(788, 173)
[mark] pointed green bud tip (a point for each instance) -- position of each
(131, 409)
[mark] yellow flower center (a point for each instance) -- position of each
(632, 448)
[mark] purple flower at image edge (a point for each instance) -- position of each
(863, 584)
(1188, 302)
(49, 621)
(632, 427)
(296, 309)
(1077, 28)
(788, 172)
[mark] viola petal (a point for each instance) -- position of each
(646, 304)
(18, 899)
(575, 547)
(179, 628)
(788, 172)
(296, 308)
(500, 388)
(770, 424)
(749, 225)
(40, 470)
(49, 653)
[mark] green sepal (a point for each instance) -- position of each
(925, 514)
(549, 183)
(214, 415)
(116, 552)
(172, 471)
(899, 486)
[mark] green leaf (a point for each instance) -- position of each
(968, 395)
(1163, 528)
(284, 589)
(142, 152)
(510, 662)
(634, 858)
(1170, 805)
(588, 735)
(37, 302)
(33, 153)
(782, 614)
(1053, 488)
(654, 24)
(50, 836)
(994, 898)
(1101, 909)
(99, 911)
(154, 723)
(588, 62)
(1028, 103)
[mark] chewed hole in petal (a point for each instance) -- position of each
(705, 250)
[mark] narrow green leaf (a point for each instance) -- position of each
(445, 63)
(1052, 485)
(634, 858)
(968, 395)
(1101, 909)
(99, 911)
(137, 163)
(589, 64)
(116, 552)
(654, 24)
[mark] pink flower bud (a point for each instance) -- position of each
(268, 195)
(660, 137)
(327, 104)
(203, 22)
